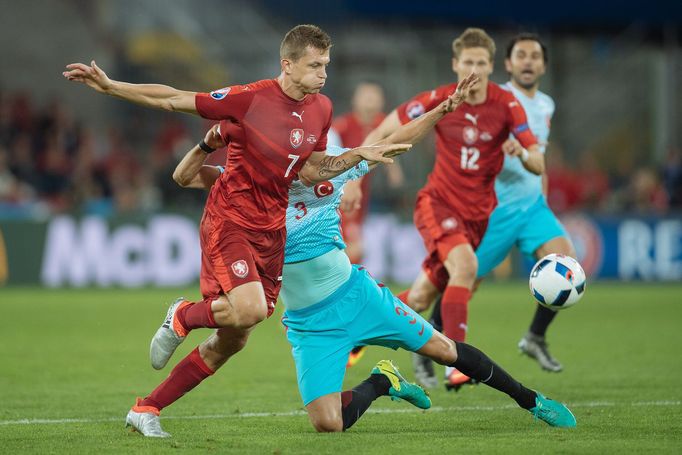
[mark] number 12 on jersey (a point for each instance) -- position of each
(469, 158)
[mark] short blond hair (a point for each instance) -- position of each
(473, 37)
(300, 37)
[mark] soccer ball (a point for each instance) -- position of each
(557, 281)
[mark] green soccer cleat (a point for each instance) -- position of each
(400, 387)
(552, 412)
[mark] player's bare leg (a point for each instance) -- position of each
(339, 411)
(558, 245)
(187, 374)
(241, 308)
(420, 297)
(462, 265)
(422, 293)
(325, 413)
(480, 367)
(533, 343)
(223, 344)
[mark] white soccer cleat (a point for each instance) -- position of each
(535, 347)
(424, 372)
(145, 420)
(168, 337)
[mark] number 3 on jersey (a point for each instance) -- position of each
(469, 158)
(300, 206)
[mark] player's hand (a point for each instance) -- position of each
(92, 76)
(352, 197)
(512, 147)
(461, 93)
(213, 137)
(382, 153)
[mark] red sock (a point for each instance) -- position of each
(197, 315)
(185, 376)
(403, 296)
(454, 311)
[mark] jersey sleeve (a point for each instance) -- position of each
(518, 123)
(359, 171)
(420, 104)
(226, 103)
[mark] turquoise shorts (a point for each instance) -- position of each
(360, 312)
(509, 226)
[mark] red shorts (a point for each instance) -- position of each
(442, 229)
(232, 255)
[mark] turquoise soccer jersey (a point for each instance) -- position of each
(514, 184)
(312, 220)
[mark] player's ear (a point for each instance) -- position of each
(454, 65)
(508, 65)
(286, 65)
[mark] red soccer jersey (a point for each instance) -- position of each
(469, 146)
(270, 137)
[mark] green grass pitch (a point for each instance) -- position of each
(72, 362)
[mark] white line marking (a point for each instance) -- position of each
(591, 404)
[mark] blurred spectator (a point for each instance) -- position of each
(672, 177)
(12, 190)
(54, 170)
(5, 120)
(22, 161)
(173, 133)
(50, 163)
(592, 183)
(645, 194)
(563, 190)
(21, 113)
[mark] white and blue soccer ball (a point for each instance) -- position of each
(557, 281)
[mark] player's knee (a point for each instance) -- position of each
(420, 299)
(420, 304)
(327, 424)
(252, 315)
(463, 270)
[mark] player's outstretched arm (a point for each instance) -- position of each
(392, 131)
(191, 172)
(149, 95)
(415, 130)
(385, 129)
(321, 167)
(533, 159)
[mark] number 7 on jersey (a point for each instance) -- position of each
(293, 159)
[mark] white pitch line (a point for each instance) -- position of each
(590, 404)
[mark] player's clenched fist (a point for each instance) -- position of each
(512, 147)
(213, 137)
